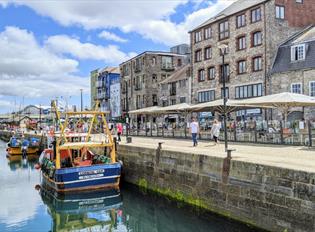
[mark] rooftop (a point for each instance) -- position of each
(234, 8)
(180, 74)
(283, 61)
(111, 70)
(153, 53)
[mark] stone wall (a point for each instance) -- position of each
(267, 197)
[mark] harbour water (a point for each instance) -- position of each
(26, 208)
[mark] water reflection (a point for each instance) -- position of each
(91, 211)
(22, 208)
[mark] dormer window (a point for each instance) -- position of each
(298, 52)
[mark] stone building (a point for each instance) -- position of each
(100, 86)
(293, 69)
(252, 30)
(176, 88)
(142, 75)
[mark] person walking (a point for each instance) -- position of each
(215, 131)
(194, 130)
(119, 131)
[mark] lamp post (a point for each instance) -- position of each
(81, 90)
(223, 49)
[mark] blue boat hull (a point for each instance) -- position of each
(84, 178)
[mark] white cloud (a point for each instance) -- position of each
(151, 19)
(64, 44)
(111, 36)
(30, 70)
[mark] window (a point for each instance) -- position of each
(182, 83)
(279, 12)
(153, 61)
(241, 66)
(211, 73)
(240, 21)
(257, 63)
(154, 78)
(298, 52)
(241, 43)
(312, 88)
(226, 92)
(182, 99)
(208, 53)
(197, 36)
(256, 15)
(224, 31)
(173, 102)
(208, 33)
(198, 56)
(201, 75)
(179, 62)
(206, 96)
(164, 87)
(167, 62)
(154, 100)
(226, 73)
(299, 1)
(257, 38)
(296, 88)
(248, 91)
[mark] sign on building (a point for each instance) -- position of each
(115, 100)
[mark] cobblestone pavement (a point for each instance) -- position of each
(292, 157)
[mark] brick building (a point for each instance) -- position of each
(293, 69)
(252, 29)
(142, 75)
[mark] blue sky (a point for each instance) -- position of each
(49, 47)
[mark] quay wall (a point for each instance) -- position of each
(271, 198)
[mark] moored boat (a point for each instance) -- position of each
(18, 145)
(81, 161)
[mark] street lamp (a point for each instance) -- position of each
(81, 90)
(223, 48)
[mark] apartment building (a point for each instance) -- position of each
(293, 69)
(100, 86)
(252, 30)
(176, 88)
(141, 75)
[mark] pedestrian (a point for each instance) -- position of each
(194, 130)
(119, 131)
(215, 131)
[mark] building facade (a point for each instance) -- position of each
(294, 69)
(141, 75)
(176, 88)
(252, 30)
(100, 86)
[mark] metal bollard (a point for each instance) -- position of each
(229, 153)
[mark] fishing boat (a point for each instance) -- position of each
(81, 160)
(18, 145)
(87, 211)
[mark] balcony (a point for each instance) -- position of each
(100, 95)
(167, 66)
(137, 68)
(138, 87)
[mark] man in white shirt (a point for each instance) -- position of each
(194, 130)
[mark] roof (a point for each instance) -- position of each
(153, 53)
(283, 61)
(180, 74)
(234, 8)
(111, 70)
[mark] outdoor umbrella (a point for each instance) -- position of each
(218, 105)
(284, 102)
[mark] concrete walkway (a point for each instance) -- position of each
(291, 157)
